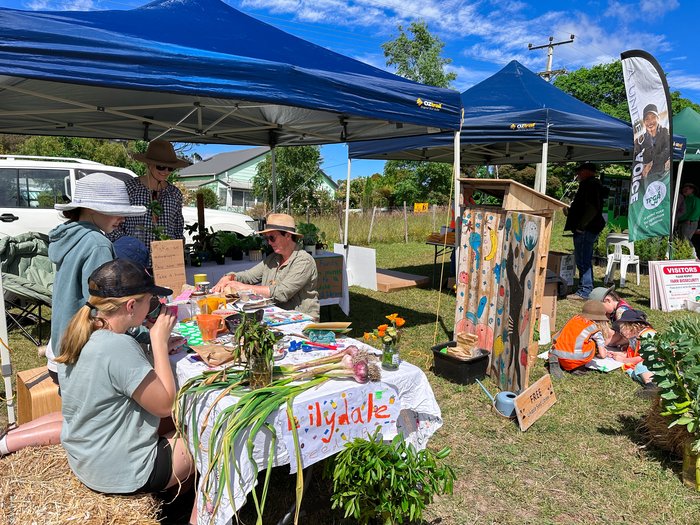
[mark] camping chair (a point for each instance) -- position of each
(620, 250)
(27, 278)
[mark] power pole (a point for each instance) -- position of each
(548, 73)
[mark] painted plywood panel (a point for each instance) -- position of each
(479, 274)
(520, 264)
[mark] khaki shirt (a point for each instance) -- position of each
(292, 285)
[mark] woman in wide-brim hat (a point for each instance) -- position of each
(99, 205)
(288, 276)
(163, 200)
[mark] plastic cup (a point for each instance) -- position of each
(210, 325)
(200, 277)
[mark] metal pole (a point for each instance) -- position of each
(5, 362)
(675, 205)
(347, 202)
(274, 180)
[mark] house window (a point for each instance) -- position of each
(222, 196)
(238, 197)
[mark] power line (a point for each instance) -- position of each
(548, 73)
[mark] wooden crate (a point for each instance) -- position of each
(37, 394)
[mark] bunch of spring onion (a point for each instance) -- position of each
(250, 414)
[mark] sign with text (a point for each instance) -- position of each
(671, 283)
(534, 401)
(326, 424)
(420, 207)
(330, 276)
(169, 264)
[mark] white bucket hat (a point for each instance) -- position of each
(102, 193)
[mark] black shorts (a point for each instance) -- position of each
(162, 470)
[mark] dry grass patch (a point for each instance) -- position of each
(37, 486)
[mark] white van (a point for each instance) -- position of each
(30, 186)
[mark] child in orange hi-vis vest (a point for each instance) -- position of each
(580, 339)
(634, 326)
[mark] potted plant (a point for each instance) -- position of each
(310, 236)
(256, 344)
(222, 242)
(674, 358)
(201, 249)
(253, 245)
(388, 483)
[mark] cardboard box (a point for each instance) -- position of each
(549, 304)
(563, 265)
(37, 395)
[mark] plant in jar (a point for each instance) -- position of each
(256, 344)
(388, 337)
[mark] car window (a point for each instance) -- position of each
(82, 172)
(31, 187)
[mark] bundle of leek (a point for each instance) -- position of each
(249, 415)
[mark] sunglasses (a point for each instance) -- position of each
(165, 168)
(273, 237)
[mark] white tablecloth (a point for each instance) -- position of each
(419, 418)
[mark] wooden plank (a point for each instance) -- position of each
(37, 395)
(534, 402)
(391, 280)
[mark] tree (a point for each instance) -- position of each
(298, 174)
(418, 57)
(603, 87)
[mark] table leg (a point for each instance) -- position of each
(289, 516)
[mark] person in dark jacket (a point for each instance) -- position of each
(585, 220)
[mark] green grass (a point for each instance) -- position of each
(583, 462)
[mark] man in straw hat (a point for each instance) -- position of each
(153, 190)
(99, 205)
(288, 275)
(579, 339)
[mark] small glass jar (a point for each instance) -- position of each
(390, 356)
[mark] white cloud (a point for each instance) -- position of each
(70, 5)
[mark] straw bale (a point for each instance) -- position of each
(655, 427)
(38, 487)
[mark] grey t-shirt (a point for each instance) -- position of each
(109, 438)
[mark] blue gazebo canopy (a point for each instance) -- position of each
(202, 72)
(507, 119)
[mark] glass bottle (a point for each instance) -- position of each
(390, 356)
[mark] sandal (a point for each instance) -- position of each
(7, 429)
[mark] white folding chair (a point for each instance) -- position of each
(620, 250)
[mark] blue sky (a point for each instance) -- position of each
(480, 36)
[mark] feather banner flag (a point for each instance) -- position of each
(650, 111)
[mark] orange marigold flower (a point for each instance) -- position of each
(382, 327)
(381, 333)
(399, 322)
(367, 336)
(392, 317)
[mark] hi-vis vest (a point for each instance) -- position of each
(573, 345)
(634, 351)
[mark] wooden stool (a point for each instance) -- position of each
(37, 394)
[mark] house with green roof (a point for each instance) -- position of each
(230, 175)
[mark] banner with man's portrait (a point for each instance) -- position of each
(650, 111)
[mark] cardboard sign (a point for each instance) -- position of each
(330, 276)
(420, 207)
(326, 424)
(534, 401)
(564, 265)
(169, 264)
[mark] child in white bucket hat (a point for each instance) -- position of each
(99, 204)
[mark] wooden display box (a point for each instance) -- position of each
(37, 395)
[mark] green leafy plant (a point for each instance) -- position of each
(390, 483)
(252, 242)
(256, 343)
(202, 239)
(674, 357)
(222, 241)
(310, 232)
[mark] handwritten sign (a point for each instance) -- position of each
(534, 401)
(326, 424)
(330, 276)
(169, 264)
(420, 207)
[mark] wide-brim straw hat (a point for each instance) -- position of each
(161, 152)
(280, 222)
(102, 193)
(594, 310)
